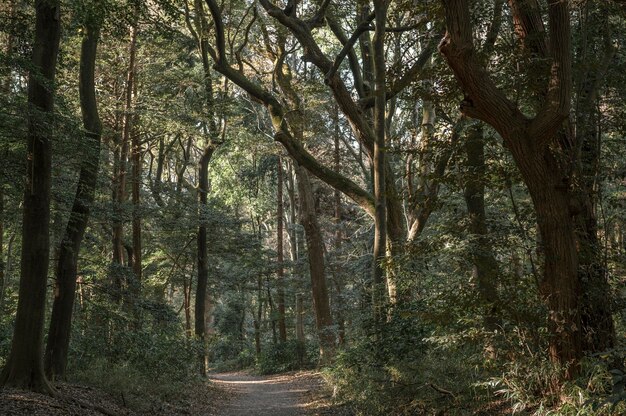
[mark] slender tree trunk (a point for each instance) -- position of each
(258, 315)
(280, 296)
(121, 177)
(187, 305)
(380, 195)
(136, 186)
(486, 270)
(270, 303)
(24, 368)
(300, 328)
(55, 358)
(597, 307)
(203, 262)
(341, 329)
(315, 245)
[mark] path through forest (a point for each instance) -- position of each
(278, 395)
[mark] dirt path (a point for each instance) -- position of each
(280, 395)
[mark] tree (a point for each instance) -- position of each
(541, 152)
(24, 368)
(67, 263)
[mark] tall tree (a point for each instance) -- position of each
(379, 165)
(212, 141)
(67, 263)
(315, 248)
(24, 367)
(282, 328)
(541, 153)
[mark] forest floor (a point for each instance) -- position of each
(227, 394)
(289, 394)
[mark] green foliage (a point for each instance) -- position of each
(113, 350)
(286, 356)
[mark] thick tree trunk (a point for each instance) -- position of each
(24, 368)
(315, 246)
(560, 286)
(280, 295)
(55, 359)
(539, 156)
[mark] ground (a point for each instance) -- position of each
(227, 394)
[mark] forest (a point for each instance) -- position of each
(313, 207)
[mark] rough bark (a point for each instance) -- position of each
(24, 368)
(531, 142)
(55, 358)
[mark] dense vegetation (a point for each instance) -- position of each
(425, 199)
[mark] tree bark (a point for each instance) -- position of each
(55, 358)
(203, 261)
(532, 143)
(339, 307)
(24, 368)
(379, 165)
(315, 246)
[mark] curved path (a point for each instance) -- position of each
(280, 395)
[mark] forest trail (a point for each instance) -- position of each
(277, 395)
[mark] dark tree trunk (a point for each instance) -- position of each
(24, 368)
(280, 295)
(540, 157)
(315, 246)
(597, 305)
(203, 262)
(486, 271)
(55, 358)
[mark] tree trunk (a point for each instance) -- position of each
(540, 157)
(486, 269)
(339, 307)
(258, 315)
(280, 296)
(203, 262)
(597, 306)
(300, 328)
(24, 368)
(315, 246)
(379, 166)
(55, 358)
(121, 174)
